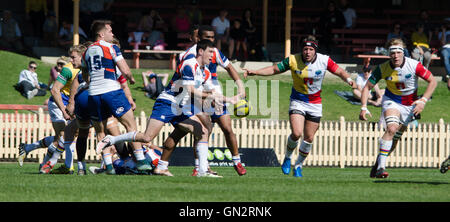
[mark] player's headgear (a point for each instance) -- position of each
(396, 45)
(310, 41)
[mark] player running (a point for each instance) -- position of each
(305, 110)
(400, 100)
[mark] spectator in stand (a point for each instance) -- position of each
(194, 13)
(330, 19)
(65, 36)
(395, 33)
(181, 22)
(349, 14)
(36, 10)
(91, 10)
(421, 51)
(221, 26)
(248, 24)
(153, 27)
(444, 36)
(424, 18)
(237, 33)
(150, 21)
(376, 94)
(50, 29)
(29, 85)
(154, 83)
(10, 34)
(55, 70)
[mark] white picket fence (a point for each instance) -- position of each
(336, 144)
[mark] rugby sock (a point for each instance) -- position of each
(163, 165)
(152, 154)
(197, 164)
(126, 137)
(50, 150)
(290, 147)
(81, 165)
(385, 147)
(236, 159)
(202, 150)
(303, 152)
(54, 158)
(139, 154)
(69, 147)
(107, 158)
(39, 144)
(81, 146)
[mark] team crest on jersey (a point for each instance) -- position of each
(408, 76)
(318, 72)
(119, 110)
(298, 72)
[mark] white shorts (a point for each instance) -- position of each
(55, 113)
(309, 110)
(388, 103)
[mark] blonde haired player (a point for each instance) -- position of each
(400, 99)
(305, 110)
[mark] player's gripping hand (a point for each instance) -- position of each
(248, 73)
(362, 114)
(419, 105)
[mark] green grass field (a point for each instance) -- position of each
(261, 184)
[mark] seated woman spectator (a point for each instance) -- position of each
(238, 35)
(361, 80)
(28, 84)
(421, 51)
(396, 32)
(248, 25)
(154, 83)
(181, 22)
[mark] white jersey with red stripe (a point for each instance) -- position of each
(188, 72)
(218, 60)
(307, 76)
(401, 82)
(100, 59)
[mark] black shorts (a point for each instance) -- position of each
(307, 116)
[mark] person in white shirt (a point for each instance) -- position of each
(349, 14)
(28, 83)
(221, 26)
(361, 80)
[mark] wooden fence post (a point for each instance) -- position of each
(442, 138)
(342, 147)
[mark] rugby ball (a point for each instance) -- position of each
(242, 108)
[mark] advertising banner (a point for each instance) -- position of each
(262, 157)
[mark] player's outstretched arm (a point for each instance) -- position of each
(364, 97)
(345, 77)
(266, 71)
(237, 79)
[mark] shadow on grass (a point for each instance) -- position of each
(415, 182)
